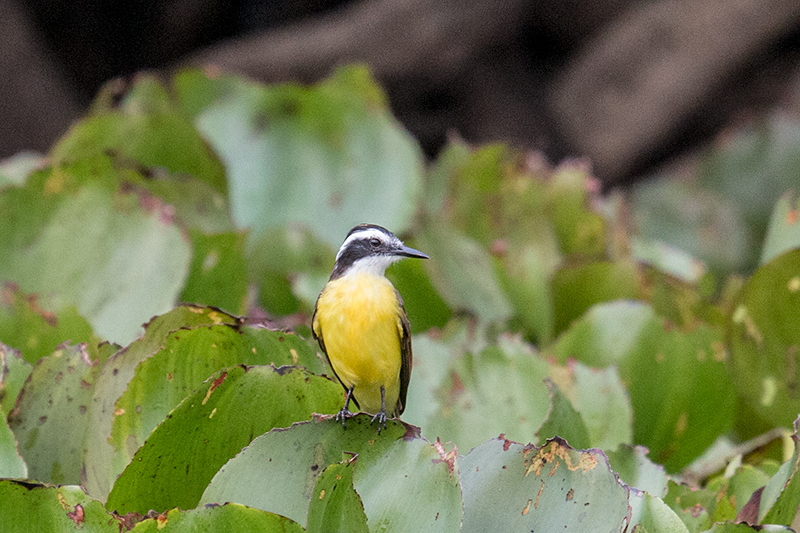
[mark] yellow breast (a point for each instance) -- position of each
(358, 317)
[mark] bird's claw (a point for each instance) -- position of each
(343, 415)
(381, 418)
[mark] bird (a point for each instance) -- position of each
(362, 327)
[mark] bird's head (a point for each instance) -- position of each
(371, 249)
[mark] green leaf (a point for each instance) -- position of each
(576, 288)
(652, 514)
(210, 426)
(97, 475)
(95, 248)
(333, 151)
(425, 307)
(14, 370)
(693, 506)
(636, 470)
(34, 327)
(469, 397)
(463, 273)
(553, 488)
(11, 462)
(227, 517)
(764, 333)
(49, 419)
(146, 128)
(783, 233)
(277, 257)
(188, 358)
(703, 223)
(404, 482)
(602, 401)
(218, 272)
(781, 495)
(563, 420)
(33, 507)
(335, 505)
(679, 387)
(581, 231)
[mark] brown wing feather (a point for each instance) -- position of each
(407, 358)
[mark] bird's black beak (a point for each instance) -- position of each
(406, 251)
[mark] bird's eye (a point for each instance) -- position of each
(374, 242)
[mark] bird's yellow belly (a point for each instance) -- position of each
(359, 321)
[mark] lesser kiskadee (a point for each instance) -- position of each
(361, 324)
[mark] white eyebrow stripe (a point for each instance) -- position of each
(367, 233)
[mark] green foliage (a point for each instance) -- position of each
(579, 328)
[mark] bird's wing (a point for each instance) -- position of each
(405, 353)
(316, 332)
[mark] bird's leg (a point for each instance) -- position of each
(381, 416)
(345, 413)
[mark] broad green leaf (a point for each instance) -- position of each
(637, 471)
(553, 488)
(34, 328)
(499, 389)
(425, 307)
(463, 273)
(701, 222)
(783, 233)
(333, 152)
(679, 387)
(197, 205)
(11, 463)
(218, 272)
(277, 257)
(602, 401)
(563, 420)
(14, 370)
(188, 358)
(668, 259)
(49, 419)
(97, 249)
(581, 231)
(145, 129)
(525, 270)
(335, 505)
(781, 496)
(735, 489)
(575, 289)
(228, 517)
(210, 426)
(97, 475)
(764, 333)
(653, 515)
(404, 483)
(693, 506)
(34, 507)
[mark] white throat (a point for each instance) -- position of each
(375, 265)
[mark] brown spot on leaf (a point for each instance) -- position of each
(570, 494)
(449, 458)
(527, 507)
(791, 217)
(539, 495)
(214, 384)
(77, 515)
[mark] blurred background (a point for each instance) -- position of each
(628, 84)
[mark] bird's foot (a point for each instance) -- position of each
(343, 415)
(381, 418)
